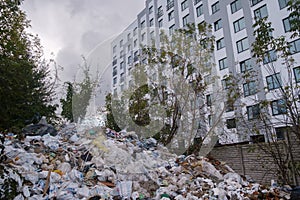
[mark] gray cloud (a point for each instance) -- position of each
(72, 28)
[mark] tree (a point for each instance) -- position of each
(280, 110)
(78, 96)
(67, 103)
(26, 87)
(171, 78)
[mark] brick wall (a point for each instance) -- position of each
(253, 160)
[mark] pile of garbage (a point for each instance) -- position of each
(100, 163)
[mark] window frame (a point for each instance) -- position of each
(184, 5)
(221, 41)
(199, 10)
(282, 4)
(260, 13)
(223, 64)
(230, 123)
(236, 5)
(150, 9)
(273, 81)
(215, 7)
(171, 29)
(252, 108)
(280, 108)
(218, 24)
(151, 22)
(171, 15)
(238, 23)
(296, 45)
(208, 100)
(185, 20)
(244, 67)
(244, 46)
(296, 74)
(160, 23)
(249, 88)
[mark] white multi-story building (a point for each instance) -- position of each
(232, 22)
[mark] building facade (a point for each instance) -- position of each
(232, 25)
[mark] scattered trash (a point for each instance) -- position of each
(97, 163)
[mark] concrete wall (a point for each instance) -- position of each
(252, 159)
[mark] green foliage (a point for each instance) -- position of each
(110, 121)
(67, 103)
(294, 8)
(74, 107)
(26, 89)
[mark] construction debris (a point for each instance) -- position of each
(103, 164)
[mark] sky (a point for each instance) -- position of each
(70, 29)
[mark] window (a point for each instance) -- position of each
(254, 2)
(235, 6)
(297, 74)
(122, 65)
(160, 12)
(287, 23)
(261, 12)
(253, 111)
(242, 45)
(151, 22)
(199, 10)
(115, 49)
(128, 36)
(270, 57)
(208, 100)
(185, 20)
(239, 25)
(184, 5)
(223, 64)
(170, 4)
(280, 133)
(134, 31)
(229, 106)
(249, 88)
(225, 84)
(143, 36)
(143, 24)
(121, 77)
(282, 3)
(257, 138)
(115, 81)
(115, 91)
(152, 36)
(115, 71)
(196, 2)
(160, 23)
(171, 15)
(150, 9)
(128, 48)
(218, 25)
(129, 60)
(136, 56)
(121, 43)
(273, 81)
(220, 43)
(209, 120)
(171, 29)
(135, 42)
(230, 123)
(295, 46)
(121, 54)
(215, 7)
(114, 60)
(278, 107)
(245, 65)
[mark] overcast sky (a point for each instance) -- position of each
(71, 28)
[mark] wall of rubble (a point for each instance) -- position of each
(251, 160)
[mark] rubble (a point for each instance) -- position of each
(98, 164)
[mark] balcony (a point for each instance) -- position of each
(170, 5)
